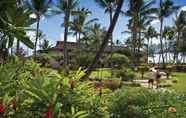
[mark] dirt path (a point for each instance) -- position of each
(144, 83)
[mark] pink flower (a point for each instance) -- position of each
(172, 109)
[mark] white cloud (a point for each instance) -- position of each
(70, 38)
(183, 8)
(154, 22)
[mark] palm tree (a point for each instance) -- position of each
(93, 35)
(178, 28)
(167, 35)
(14, 24)
(109, 6)
(45, 45)
(105, 39)
(149, 34)
(66, 7)
(79, 23)
(39, 7)
(166, 8)
(140, 13)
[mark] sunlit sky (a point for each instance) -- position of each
(51, 26)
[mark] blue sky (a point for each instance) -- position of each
(51, 27)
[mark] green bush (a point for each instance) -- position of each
(143, 103)
(119, 60)
(125, 74)
(174, 80)
(142, 69)
(40, 91)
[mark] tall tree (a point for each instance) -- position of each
(178, 29)
(66, 7)
(140, 13)
(167, 35)
(166, 8)
(149, 34)
(109, 6)
(105, 39)
(80, 23)
(39, 7)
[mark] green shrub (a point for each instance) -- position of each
(174, 80)
(119, 60)
(112, 84)
(125, 74)
(142, 69)
(37, 91)
(143, 103)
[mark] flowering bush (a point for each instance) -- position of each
(27, 90)
(143, 103)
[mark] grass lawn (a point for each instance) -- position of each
(180, 86)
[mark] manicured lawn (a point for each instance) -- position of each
(180, 86)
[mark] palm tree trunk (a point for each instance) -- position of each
(134, 43)
(161, 42)
(79, 38)
(66, 21)
(17, 47)
(147, 49)
(177, 47)
(166, 46)
(105, 40)
(111, 38)
(37, 36)
(139, 46)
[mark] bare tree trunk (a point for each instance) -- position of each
(147, 49)
(37, 36)
(139, 46)
(166, 46)
(177, 48)
(161, 42)
(66, 23)
(17, 47)
(105, 40)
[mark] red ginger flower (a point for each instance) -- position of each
(172, 109)
(2, 108)
(49, 112)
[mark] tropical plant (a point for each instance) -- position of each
(166, 8)
(149, 34)
(168, 34)
(31, 91)
(11, 28)
(143, 103)
(39, 8)
(45, 45)
(140, 13)
(105, 39)
(80, 24)
(109, 6)
(178, 29)
(66, 7)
